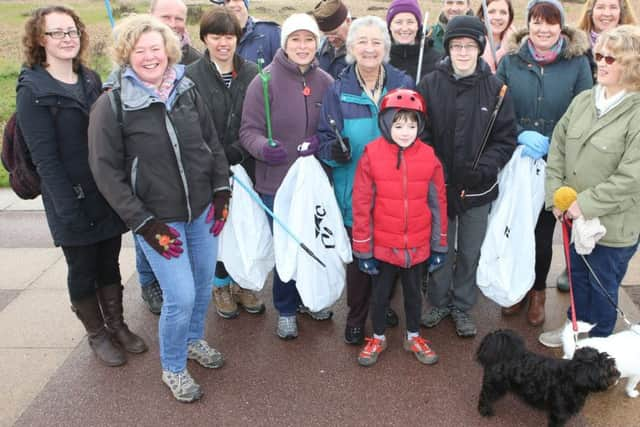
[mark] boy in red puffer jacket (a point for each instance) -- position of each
(399, 218)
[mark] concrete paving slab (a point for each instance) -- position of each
(26, 205)
(28, 372)
(40, 318)
(21, 267)
(56, 276)
(7, 198)
(25, 229)
(6, 296)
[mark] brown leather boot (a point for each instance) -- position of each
(535, 315)
(110, 298)
(88, 311)
(515, 308)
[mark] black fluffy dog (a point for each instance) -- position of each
(556, 385)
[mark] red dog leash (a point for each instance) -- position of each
(566, 242)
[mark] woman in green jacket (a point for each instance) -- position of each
(596, 151)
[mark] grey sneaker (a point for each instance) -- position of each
(433, 317)
(552, 339)
(324, 314)
(182, 385)
(465, 326)
(152, 295)
(207, 356)
(287, 327)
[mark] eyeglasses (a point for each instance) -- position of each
(59, 34)
(608, 59)
(455, 47)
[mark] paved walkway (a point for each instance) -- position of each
(50, 377)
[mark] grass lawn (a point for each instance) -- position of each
(92, 12)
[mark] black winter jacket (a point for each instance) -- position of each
(54, 124)
(225, 104)
(162, 164)
(458, 112)
(405, 57)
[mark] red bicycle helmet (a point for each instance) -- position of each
(403, 99)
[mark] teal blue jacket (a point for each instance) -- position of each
(356, 117)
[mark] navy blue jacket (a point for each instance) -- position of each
(260, 39)
(329, 61)
(54, 124)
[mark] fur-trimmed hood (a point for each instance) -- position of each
(578, 42)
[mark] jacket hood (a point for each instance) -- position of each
(577, 42)
(136, 97)
(42, 84)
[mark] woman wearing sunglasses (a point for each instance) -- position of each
(596, 151)
(544, 71)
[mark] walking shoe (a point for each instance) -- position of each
(226, 307)
(372, 349)
(207, 356)
(182, 385)
(562, 282)
(247, 299)
(391, 318)
(420, 347)
(152, 295)
(287, 327)
(552, 339)
(465, 327)
(324, 314)
(433, 317)
(354, 335)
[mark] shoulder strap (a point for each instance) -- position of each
(116, 105)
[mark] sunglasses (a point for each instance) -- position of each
(608, 59)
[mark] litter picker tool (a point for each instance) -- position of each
(277, 220)
(489, 128)
(422, 41)
(264, 78)
(334, 126)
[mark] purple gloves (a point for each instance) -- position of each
(309, 147)
(275, 155)
(162, 238)
(218, 211)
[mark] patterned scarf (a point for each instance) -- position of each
(544, 58)
(168, 82)
(593, 38)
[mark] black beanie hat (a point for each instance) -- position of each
(466, 26)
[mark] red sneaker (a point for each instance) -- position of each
(372, 349)
(420, 347)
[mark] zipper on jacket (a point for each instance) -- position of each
(405, 201)
(173, 137)
(134, 175)
(306, 106)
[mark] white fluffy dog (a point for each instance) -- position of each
(624, 347)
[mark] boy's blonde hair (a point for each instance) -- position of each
(128, 32)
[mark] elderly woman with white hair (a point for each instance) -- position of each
(350, 108)
(155, 155)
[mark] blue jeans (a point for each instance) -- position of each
(286, 298)
(186, 284)
(592, 305)
(145, 274)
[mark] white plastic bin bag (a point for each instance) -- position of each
(506, 269)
